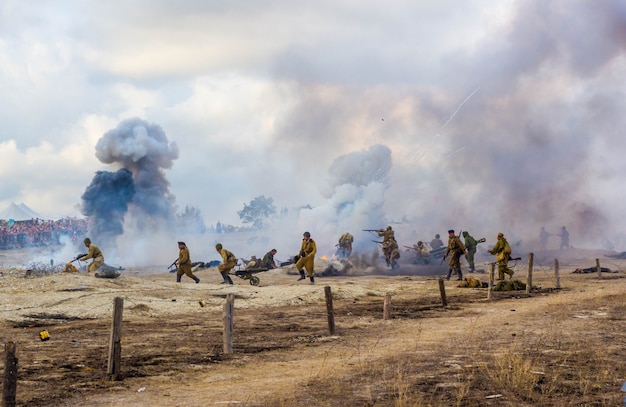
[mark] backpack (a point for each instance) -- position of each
(507, 248)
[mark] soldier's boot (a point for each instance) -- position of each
(196, 279)
(178, 278)
(510, 273)
(312, 279)
(225, 277)
(471, 268)
(500, 275)
(449, 274)
(459, 273)
(302, 277)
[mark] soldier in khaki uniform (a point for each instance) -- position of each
(93, 252)
(502, 251)
(307, 257)
(393, 253)
(345, 244)
(184, 263)
(456, 249)
(389, 237)
(229, 261)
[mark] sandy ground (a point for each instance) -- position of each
(172, 345)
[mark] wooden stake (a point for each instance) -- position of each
(556, 273)
(529, 280)
(9, 387)
(115, 345)
(442, 291)
(387, 307)
(330, 313)
(229, 311)
(599, 268)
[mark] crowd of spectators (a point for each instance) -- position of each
(40, 232)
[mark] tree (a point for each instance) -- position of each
(257, 212)
(190, 220)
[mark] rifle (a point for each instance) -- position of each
(78, 257)
(411, 247)
(171, 265)
(372, 230)
(376, 241)
(443, 258)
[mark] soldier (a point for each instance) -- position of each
(543, 238)
(345, 244)
(564, 238)
(393, 253)
(307, 257)
(456, 249)
(386, 234)
(436, 243)
(502, 251)
(268, 260)
(93, 252)
(470, 245)
(229, 261)
(184, 263)
(422, 254)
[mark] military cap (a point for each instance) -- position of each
(219, 246)
(451, 231)
(87, 240)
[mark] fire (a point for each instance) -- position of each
(324, 257)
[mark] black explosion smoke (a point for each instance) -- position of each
(138, 189)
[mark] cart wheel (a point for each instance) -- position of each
(254, 280)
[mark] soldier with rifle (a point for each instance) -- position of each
(422, 254)
(184, 263)
(470, 245)
(502, 251)
(456, 249)
(93, 252)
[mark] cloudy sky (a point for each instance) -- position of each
(503, 115)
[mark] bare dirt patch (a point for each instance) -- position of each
(550, 347)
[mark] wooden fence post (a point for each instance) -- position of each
(387, 307)
(492, 267)
(115, 345)
(330, 313)
(442, 291)
(9, 387)
(229, 311)
(599, 268)
(556, 273)
(529, 280)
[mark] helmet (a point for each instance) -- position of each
(306, 234)
(437, 236)
(87, 240)
(420, 243)
(218, 246)
(388, 227)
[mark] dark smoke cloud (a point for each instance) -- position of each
(105, 202)
(143, 148)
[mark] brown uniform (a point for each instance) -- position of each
(307, 257)
(98, 258)
(455, 249)
(184, 265)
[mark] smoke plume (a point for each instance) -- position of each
(139, 188)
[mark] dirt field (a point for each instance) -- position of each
(551, 348)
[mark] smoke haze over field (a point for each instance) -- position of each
(471, 115)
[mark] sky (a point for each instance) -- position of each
(475, 115)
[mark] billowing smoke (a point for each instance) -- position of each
(137, 195)
(358, 182)
(105, 202)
